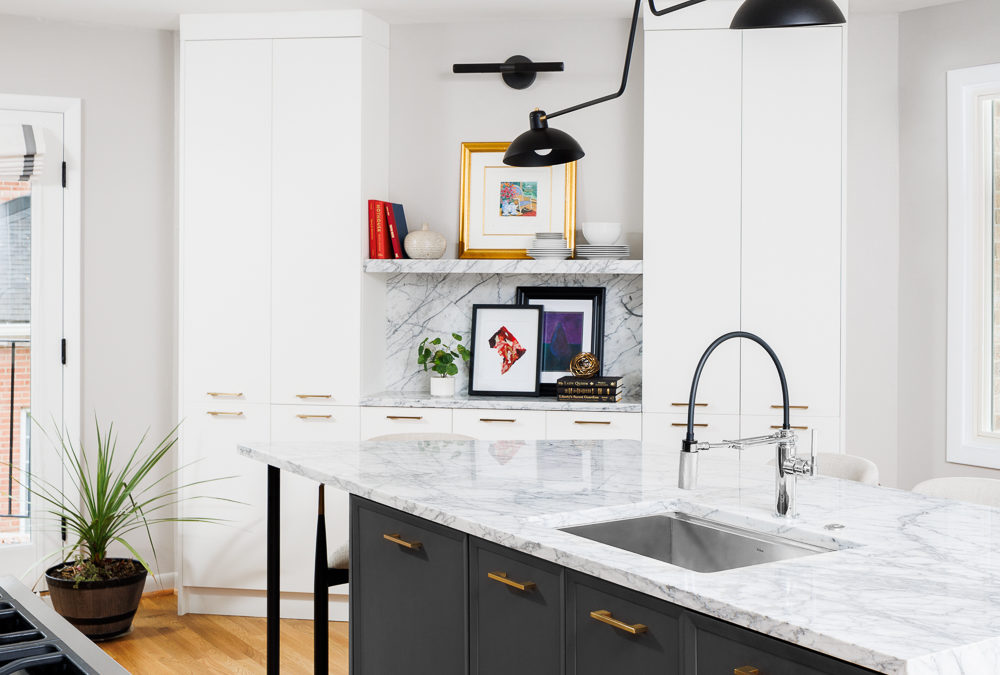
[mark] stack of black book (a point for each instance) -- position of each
(597, 389)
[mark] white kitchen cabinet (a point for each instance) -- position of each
(384, 421)
(499, 424)
(564, 424)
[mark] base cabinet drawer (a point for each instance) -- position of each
(610, 629)
(716, 647)
(515, 612)
(565, 425)
(409, 576)
(386, 421)
(499, 424)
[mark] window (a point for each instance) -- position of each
(974, 266)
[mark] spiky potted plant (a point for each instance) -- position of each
(442, 358)
(108, 498)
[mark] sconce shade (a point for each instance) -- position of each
(786, 14)
(542, 146)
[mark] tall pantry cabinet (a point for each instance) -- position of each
(283, 127)
(743, 209)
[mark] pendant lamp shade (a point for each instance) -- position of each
(786, 14)
(542, 146)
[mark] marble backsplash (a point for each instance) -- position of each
(418, 305)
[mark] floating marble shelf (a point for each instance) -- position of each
(452, 266)
(408, 399)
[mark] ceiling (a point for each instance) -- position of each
(163, 13)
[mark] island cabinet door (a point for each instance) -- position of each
(610, 629)
(409, 595)
(716, 647)
(515, 613)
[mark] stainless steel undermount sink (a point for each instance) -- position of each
(694, 543)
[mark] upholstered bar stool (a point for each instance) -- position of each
(847, 467)
(985, 491)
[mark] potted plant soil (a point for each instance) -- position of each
(442, 358)
(98, 593)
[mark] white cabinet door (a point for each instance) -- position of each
(225, 214)
(499, 424)
(383, 421)
(563, 425)
(318, 222)
(691, 216)
(827, 433)
(792, 187)
(230, 554)
(299, 495)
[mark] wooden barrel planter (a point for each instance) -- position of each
(101, 610)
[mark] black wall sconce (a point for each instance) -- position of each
(544, 146)
(517, 71)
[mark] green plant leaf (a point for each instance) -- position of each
(457, 336)
(452, 369)
(436, 341)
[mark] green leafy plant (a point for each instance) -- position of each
(107, 498)
(441, 357)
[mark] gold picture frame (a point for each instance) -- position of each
(469, 219)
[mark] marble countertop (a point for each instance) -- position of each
(914, 589)
(412, 399)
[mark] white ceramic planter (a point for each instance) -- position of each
(442, 386)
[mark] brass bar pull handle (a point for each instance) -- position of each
(219, 413)
(224, 394)
(394, 538)
(746, 670)
(402, 417)
(684, 424)
(488, 419)
(685, 405)
(502, 578)
(604, 616)
(793, 407)
(778, 426)
(314, 417)
(314, 396)
(591, 422)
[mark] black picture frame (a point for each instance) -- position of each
(532, 323)
(597, 295)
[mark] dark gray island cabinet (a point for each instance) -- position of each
(430, 600)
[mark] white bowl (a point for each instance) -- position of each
(602, 234)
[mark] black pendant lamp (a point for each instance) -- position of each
(542, 145)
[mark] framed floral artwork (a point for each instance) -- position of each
(503, 207)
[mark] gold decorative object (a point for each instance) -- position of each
(584, 364)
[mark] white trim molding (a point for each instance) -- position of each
(970, 439)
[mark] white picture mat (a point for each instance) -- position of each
(523, 325)
(567, 305)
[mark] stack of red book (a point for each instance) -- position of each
(386, 230)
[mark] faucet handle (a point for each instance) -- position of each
(813, 445)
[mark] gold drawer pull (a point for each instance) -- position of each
(604, 616)
(746, 670)
(590, 422)
(793, 407)
(314, 417)
(778, 426)
(218, 394)
(219, 413)
(685, 405)
(314, 396)
(394, 538)
(502, 578)
(684, 424)
(402, 417)
(487, 419)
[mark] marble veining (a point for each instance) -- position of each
(475, 266)
(418, 305)
(398, 399)
(914, 588)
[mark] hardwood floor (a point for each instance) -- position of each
(163, 643)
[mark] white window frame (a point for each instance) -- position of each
(970, 439)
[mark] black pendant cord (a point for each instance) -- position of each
(701, 365)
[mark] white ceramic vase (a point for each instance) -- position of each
(424, 244)
(442, 386)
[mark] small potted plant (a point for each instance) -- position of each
(105, 500)
(442, 358)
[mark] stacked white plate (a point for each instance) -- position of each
(591, 252)
(549, 246)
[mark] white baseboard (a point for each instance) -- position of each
(164, 581)
(234, 602)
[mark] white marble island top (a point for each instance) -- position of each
(917, 591)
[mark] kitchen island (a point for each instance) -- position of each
(912, 587)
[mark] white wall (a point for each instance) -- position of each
(872, 246)
(931, 42)
(434, 111)
(126, 80)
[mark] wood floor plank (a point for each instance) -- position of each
(162, 643)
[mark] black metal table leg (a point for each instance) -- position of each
(321, 585)
(273, 576)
